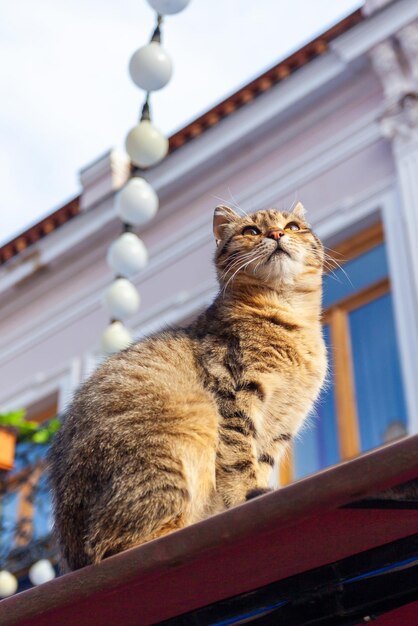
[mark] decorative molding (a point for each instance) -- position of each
(396, 64)
(408, 40)
(378, 27)
(407, 165)
(371, 6)
(174, 310)
(396, 224)
(387, 65)
(254, 120)
(400, 121)
(398, 74)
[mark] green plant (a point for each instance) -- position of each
(27, 430)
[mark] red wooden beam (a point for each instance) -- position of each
(295, 529)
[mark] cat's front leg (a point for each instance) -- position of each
(273, 450)
(237, 468)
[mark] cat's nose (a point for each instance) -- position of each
(276, 234)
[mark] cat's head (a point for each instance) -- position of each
(275, 248)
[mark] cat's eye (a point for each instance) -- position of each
(292, 226)
(251, 230)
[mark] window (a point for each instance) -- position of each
(363, 404)
(25, 509)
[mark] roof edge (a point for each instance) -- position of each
(246, 94)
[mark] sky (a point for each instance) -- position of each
(65, 92)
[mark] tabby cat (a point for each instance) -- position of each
(190, 421)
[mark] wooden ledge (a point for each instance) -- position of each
(292, 530)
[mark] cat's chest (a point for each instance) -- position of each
(290, 358)
(290, 385)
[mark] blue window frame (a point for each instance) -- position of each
(377, 380)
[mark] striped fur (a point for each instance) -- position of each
(190, 421)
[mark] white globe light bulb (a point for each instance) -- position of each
(146, 145)
(137, 203)
(41, 572)
(122, 299)
(127, 255)
(150, 67)
(115, 338)
(168, 7)
(8, 584)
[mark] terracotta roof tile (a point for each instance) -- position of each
(266, 81)
(40, 230)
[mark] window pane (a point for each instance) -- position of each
(42, 513)
(28, 453)
(378, 380)
(317, 445)
(358, 273)
(8, 517)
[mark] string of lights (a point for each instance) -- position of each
(137, 203)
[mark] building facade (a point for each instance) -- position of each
(336, 126)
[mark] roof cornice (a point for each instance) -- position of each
(246, 94)
(278, 73)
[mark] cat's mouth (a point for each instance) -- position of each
(279, 251)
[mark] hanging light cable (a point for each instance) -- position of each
(145, 144)
(150, 68)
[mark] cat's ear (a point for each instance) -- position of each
(223, 215)
(299, 211)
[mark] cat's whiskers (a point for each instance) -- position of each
(235, 273)
(238, 254)
(234, 203)
(239, 269)
(260, 262)
(329, 259)
(293, 204)
(334, 252)
(329, 263)
(231, 264)
(331, 273)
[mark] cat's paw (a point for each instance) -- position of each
(259, 491)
